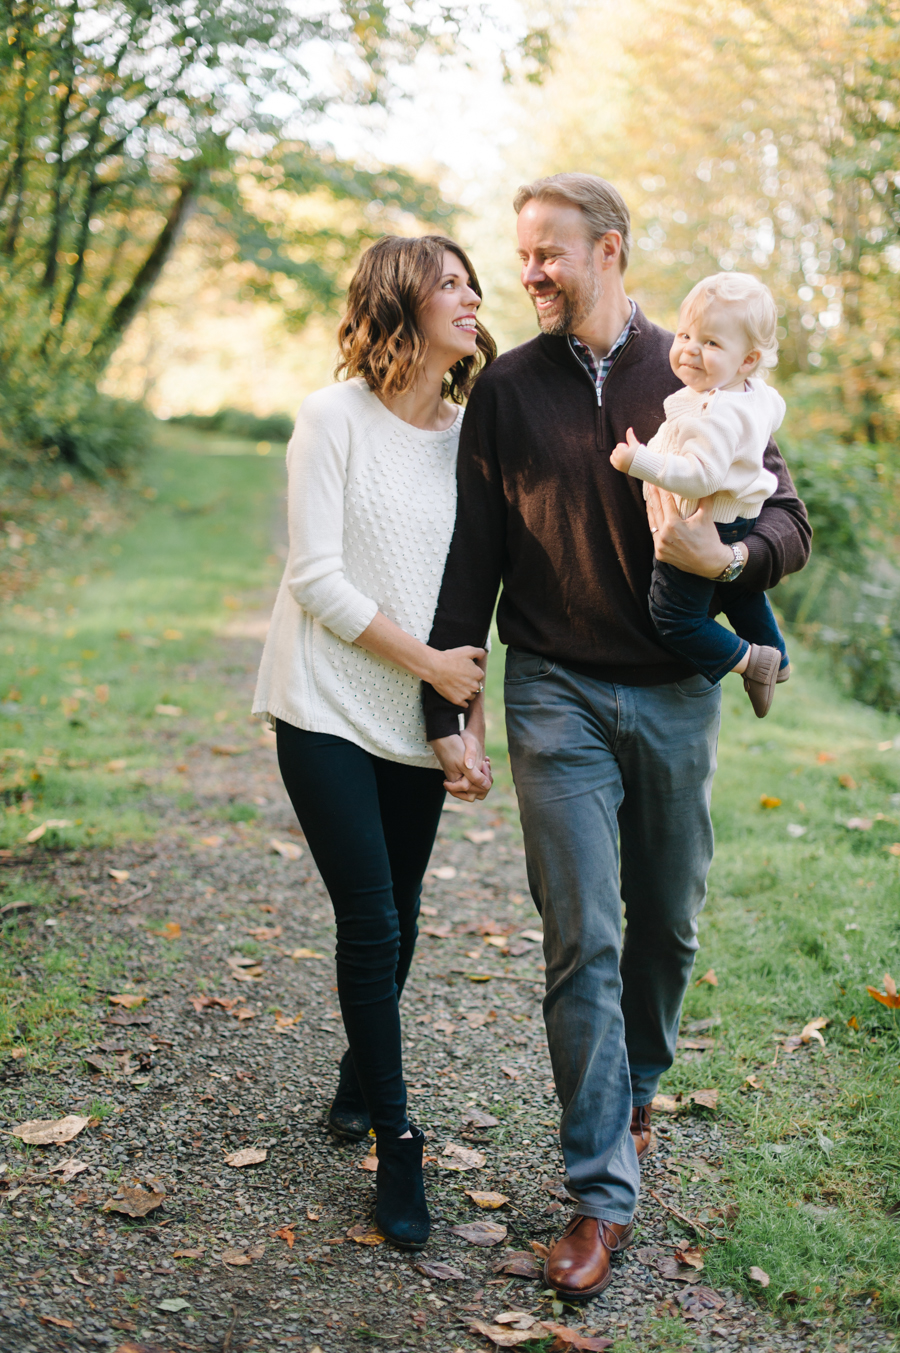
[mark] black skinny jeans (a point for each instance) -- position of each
(370, 825)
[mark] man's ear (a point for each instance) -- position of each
(610, 247)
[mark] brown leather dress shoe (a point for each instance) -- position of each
(578, 1266)
(642, 1133)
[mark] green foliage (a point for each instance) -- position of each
(238, 423)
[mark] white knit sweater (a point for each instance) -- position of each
(713, 443)
(371, 509)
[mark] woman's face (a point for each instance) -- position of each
(447, 319)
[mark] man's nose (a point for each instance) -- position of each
(532, 272)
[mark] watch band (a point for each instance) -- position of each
(733, 570)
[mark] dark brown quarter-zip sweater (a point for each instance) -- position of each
(542, 510)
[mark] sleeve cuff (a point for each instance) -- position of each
(648, 465)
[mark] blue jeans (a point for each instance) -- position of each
(599, 767)
(679, 608)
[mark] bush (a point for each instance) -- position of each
(277, 427)
(67, 419)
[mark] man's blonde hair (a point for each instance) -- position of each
(603, 205)
(759, 312)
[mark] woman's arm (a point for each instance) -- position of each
(462, 757)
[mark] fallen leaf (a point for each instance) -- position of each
(486, 1200)
(518, 1264)
(825, 756)
(442, 1272)
(365, 1235)
(289, 849)
(172, 634)
(478, 1118)
(128, 1000)
(753, 1082)
(503, 1338)
(258, 1250)
(706, 1099)
(853, 1022)
(443, 871)
(18, 1053)
(305, 953)
(498, 941)
(542, 1251)
(312, 1214)
(569, 1338)
(69, 1168)
(235, 1258)
(122, 1017)
(49, 1131)
(709, 978)
(134, 1202)
(536, 935)
(667, 1103)
(173, 1304)
(120, 875)
(847, 782)
(889, 996)
(759, 1275)
(482, 1233)
(522, 1320)
(57, 1320)
(696, 1302)
(170, 931)
(369, 1161)
(859, 824)
(285, 1233)
(894, 849)
(170, 711)
(76, 1277)
(669, 1268)
(480, 837)
(221, 749)
(248, 1155)
(52, 823)
(118, 763)
(811, 1030)
(187, 1254)
(511, 1073)
(265, 932)
(443, 1026)
(691, 1255)
(769, 801)
(461, 1158)
(245, 1013)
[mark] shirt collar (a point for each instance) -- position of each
(577, 344)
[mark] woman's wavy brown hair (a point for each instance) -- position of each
(379, 336)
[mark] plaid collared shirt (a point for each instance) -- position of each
(599, 373)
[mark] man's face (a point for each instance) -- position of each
(558, 264)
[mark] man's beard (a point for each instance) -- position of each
(577, 305)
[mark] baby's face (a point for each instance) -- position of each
(711, 348)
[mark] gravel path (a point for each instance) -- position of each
(237, 1046)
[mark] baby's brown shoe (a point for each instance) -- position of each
(760, 677)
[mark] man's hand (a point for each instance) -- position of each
(623, 455)
(691, 544)
(465, 765)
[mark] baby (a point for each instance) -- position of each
(711, 445)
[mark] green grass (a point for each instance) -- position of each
(815, 1178)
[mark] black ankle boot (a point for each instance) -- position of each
(401, 1212)
(348, 1117)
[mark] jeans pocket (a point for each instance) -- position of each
(695, 686)
(522, 666)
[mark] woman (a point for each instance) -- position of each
(371, 509)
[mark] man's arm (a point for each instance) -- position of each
(779, 543)
(475, 562)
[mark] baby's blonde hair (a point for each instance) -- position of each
(760, 313)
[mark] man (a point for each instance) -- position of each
(612, 738)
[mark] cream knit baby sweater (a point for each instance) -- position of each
(371, 509)
(713, 443)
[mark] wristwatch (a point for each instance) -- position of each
(734, 569)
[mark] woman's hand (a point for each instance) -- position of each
(467, 769)
(692, 543)
(455, 674)
(623, 454)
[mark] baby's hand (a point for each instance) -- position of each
(623, 455)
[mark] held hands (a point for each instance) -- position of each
(623, 455)
(455, 673)
(465, 765)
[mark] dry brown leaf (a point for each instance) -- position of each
(520, 1320)
(696, 1302)
(825, 756)
(288, 849)
(369, 1161)
(759, 1275)
(120, 875)
(568, 1338)
(503, 1338)
(461, 1158)
(847, 782)
(667, 1103)
(443, 1272)
(811, 1030)
(753, 1083)
(706, 1099)
(212, 841)
(889, 996)
(134, 1202)
(285, 1233)
(245, 1013)
(128, 999)
(479, 836)
(188, 1254)
(122, 1018)
(478, 1118)
(483, 1233)
(709, 978)
(265, 932)
(486, 1200)
(50, 1131)
(443, 1026)
(305, 953)
(227, 749)
(18, 1053)
(248, 1155)
(57, 1320)
(170, 711)
(691, 1255)
(365, 1235)
(51, 824)
(235, 1258)
(170, 931)
(536, 935)
(443, 871)
(518, 1264)
(511, 1073)
(69, 1168)
(893, 849)
(542, 1251)
(769, 801)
